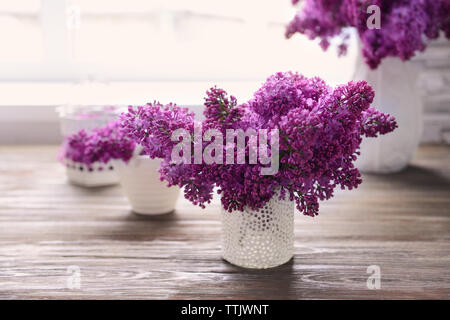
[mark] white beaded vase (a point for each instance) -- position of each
(97, 175)
(259, 239)
(147, 194)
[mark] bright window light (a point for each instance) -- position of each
(20, 31)
(177, 40)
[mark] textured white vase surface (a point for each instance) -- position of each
(146, 193)
(97, 175)
(396, 93)
(259, 239)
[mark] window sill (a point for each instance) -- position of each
(28, 115)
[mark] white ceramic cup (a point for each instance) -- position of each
(147, 194)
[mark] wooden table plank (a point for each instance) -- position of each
(399, 222)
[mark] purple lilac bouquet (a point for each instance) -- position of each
(320, 131)
(100, 145)
(404, 25)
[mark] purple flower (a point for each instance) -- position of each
(100, 145)
(220, 109)
(320, 131)
(404, 25)
(151, 126)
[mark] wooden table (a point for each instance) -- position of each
(50, 229)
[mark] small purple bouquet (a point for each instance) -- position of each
(404, 25)
(318, 131)
(99, 146)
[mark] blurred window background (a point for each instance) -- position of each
(20, 31)
(114, 40)
(58, 52)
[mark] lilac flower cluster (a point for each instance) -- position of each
(404, 25)
(320, 131)
(100, 145)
